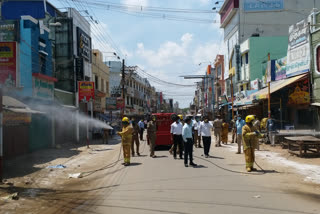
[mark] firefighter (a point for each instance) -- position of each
(126, 137)
(248, 140)
(152, 135)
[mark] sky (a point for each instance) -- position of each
(166, 49)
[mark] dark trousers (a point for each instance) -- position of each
(141, 134)
(206, 144)
(188, 150)
(177, 141)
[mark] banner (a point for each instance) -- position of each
(299, 93)
(281, 68)
(120, 103)
(111, 103)
(298, 56)
(8, 61)
(86, 91)
(84, 44)
(8, 31)
(43, 89)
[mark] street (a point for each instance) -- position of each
(164, 185)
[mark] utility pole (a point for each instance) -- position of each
(232, 96)
(123, 93)
(1, 136)
(269, 80)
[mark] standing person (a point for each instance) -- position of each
(188, 142)
(239, 124)
(234, 129)
(141, 129)
(224, 132)
(256, 127)
(205, 132)
(217, 127)
(195, 127)
(249, 136)
(105, 136)
(152, 135)
(271, 129)
(176, 137)
(199, 133)
(126, 139)
(135, 138)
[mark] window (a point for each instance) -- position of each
(247, 58)
(128, 100)
(42, 64)
(102, 85)
(96, 81)
(219, 70)
(107, 87)
(318, 58)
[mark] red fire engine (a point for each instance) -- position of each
(164, 122)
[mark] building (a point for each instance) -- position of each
(242, 19)
(100, 75)
(115, 78)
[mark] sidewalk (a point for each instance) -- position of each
(29, 176)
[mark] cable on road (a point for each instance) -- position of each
(233, 171)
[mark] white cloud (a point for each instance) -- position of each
(168, 52)
(129, 3)
(204, 2)
(208, 52)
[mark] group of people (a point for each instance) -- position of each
(186, 133)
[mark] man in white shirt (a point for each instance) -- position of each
(188, 142)
(205, 132)
(176, 137)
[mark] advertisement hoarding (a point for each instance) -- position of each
(111, 103)
(120, 103)
(281, 68)
(298, 56)
(8, 61)
(258, 5)
(84, 44)
(86, 91)
(8, 31)
(43, 89)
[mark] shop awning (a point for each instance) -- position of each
(275, 86)
(14, 105)
(315, 104)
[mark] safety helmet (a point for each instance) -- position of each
(125, 120)
(250, 118)
(180, 116)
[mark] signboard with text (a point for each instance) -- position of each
(42, 89)
(265, 5)
(8, 31)
(120, 103)
(298, 56)
(281, 68)
(111, 103)
(8, 63)
(84, 44)
(86, 91)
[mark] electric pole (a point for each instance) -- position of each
(123, 92)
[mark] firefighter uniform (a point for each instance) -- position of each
(126, 140)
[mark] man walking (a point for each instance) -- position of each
(195, 127)
(135, 138)
(234, 129)
(217, 128)
(205, 132)
(239, 124)
(141, 129)
(126, 139)
(188, 142)
(176, 137)
(152, 135)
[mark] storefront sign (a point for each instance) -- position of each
(255, 84)
(258, 5)
(86, 91)
(97, 105)
(43, 89)
(8, 64)
(298, 56)
(84, 44)
(8, 31)
(299, 93)
(281, 68)
(79, 68)
(15, 119)
(111, 103)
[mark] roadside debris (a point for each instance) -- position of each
(13, 196)
(257, 196)
(59, 166)
(76, 175)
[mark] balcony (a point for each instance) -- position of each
(227, 11)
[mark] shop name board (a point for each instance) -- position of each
(16, 119)
(111, 103)
(8, 64)
(265, 5)
(281, 68)
(8, 31)
(84, 45)
(86, 91)
(42, 89)
(298, 56)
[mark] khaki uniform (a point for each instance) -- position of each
(126, 136)
(152, 136)
(135, 139)
(217, 128)
(224, 133)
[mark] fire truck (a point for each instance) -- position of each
(164, 121)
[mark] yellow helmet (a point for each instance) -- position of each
(125, 119)
(250, 118)
(180, 116)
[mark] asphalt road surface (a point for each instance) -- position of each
(165, 185)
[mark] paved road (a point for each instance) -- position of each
(164, 185)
